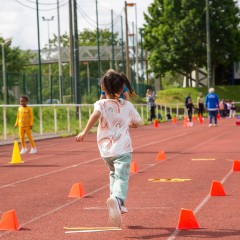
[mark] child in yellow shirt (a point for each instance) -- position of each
(25, 123)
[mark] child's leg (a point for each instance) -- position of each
(29, 135)
(122, 172)
(22, 136)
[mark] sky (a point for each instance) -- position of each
(18, 18)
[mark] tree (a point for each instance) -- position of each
(175, 35)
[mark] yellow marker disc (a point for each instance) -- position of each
(203, 159)
(169, 179)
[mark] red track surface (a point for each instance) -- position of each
(38, 188)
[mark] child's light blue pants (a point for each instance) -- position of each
(119, 167)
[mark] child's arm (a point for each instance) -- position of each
(133, 125)
(16, 123)
(92, 120)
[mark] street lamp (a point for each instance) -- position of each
(88, 76)
(6, 42)
(49, 66)
(136, 47)
(209, 70)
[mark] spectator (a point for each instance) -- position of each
(150, 98)
(200, 104)
(212, 105)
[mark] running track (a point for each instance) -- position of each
(38, 188)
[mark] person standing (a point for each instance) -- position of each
(190, 108)
(200, 104)
(150, 98)
(115, 116)
(25, 123)
(212, 105)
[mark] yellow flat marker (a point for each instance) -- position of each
(90, 229)
(169, 179)
(203, 159)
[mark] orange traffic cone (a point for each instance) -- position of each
(218, 116)
(236, 165)
(200, 119)
(9, 221)
(133, 167)
(77, 190)
(174, 121)
(187, 220)
(185, 122)
(217, 189)
(161, 156)
(155, 123)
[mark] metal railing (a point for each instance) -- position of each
(78, 109)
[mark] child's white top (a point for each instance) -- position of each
(113, 136)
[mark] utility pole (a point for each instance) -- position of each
(59, 56)
(98, 43)
(49, 65)
(76, 56)
(209, 68)
(112, 40)
(127, 49)
(39, 56)
(71, 54)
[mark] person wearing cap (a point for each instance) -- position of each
(212, 105)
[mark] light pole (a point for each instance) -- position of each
(49, 66)
(6, 42)
(88, 76)
(136, 46)
(209, 70)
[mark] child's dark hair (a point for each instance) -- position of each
(25, 97)
(113, 82)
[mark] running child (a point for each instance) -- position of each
(115, 116)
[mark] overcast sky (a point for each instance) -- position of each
(18, 18)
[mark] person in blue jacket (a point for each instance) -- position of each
(212, 105)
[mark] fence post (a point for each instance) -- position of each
(80, 116)
(55, 119)
(68, 118)
(40, 121)
(5, 123)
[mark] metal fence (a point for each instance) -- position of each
(68, 118)
(53, 90)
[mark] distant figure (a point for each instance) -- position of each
(232, 110)
(190, 108)
(200, 104)
(150, 98)
(187, 99)
(25, 123)
(212, 105)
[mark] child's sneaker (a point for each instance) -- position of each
(24, 150)
(33, 151)
(123, 209)
(114, 212)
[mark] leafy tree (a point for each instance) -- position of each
(175, 35)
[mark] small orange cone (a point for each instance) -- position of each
(161, 156)
(185, 122)
(236, 165)
(217, 189)
(77, 190)
(187, 220)
(174, 120)
(200, 119)
(133, 167)
(9, 221)
(155, 123)
(218, 116)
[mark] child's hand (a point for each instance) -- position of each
(133, 125)
(80, 137)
